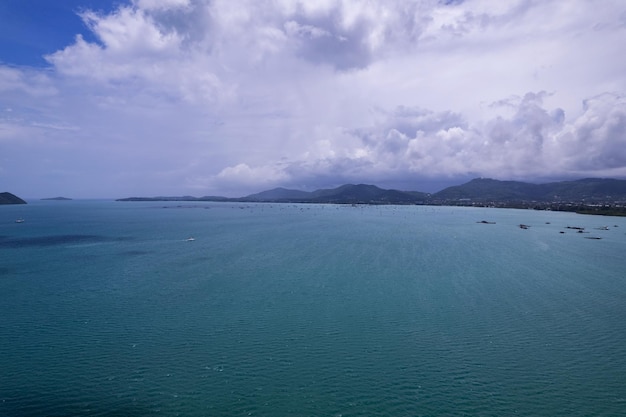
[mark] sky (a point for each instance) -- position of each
(111, 99)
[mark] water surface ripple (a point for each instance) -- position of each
(308, 310)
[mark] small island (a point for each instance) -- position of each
(57, 198)
(8, 198)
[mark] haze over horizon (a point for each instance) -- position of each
(124, 98)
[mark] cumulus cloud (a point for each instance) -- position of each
(596, 141)
(239, 179)
(133, 49)
(161, 4)
(23, 81)
(223, 97)
(532, 142)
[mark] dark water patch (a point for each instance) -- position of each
(55, 240)
(72, 406)
(135, 252)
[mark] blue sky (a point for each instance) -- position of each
(231, 97)
(31, 29)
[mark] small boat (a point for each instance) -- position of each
(19, 221)
(190, 239)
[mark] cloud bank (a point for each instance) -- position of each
(232, 97)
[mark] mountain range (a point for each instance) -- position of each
(349, 193)
(584, 195)
(476, 191)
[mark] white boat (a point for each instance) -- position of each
(190, 239)
(19, 221)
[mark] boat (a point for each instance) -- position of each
(19, 221)
(190, 239)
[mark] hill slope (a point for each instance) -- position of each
(485, 189)
(8, 198)
(278, 194)
(349, 193)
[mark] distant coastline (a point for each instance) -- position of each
(57, 198)
(599, 196)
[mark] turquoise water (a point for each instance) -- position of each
(309, 310)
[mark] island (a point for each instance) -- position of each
(57, 198)
(8, 198)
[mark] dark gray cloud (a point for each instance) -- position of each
(352, 35)
(322, 41)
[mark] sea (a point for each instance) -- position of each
(112, 308)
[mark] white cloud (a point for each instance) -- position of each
(241, 177)
(132, 45)
(534, 142)
(596, 141)
(161, 4)
(24, 81)
(237, 96)
(293, 28)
